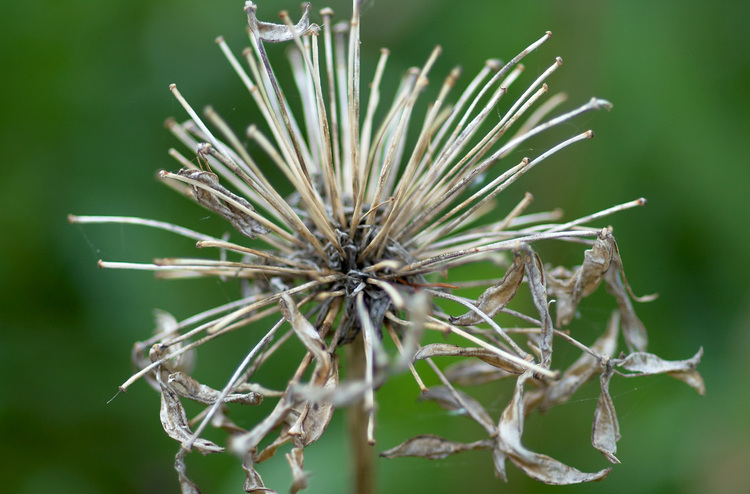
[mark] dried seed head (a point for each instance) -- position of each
(362, 250)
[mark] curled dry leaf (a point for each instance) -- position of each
(646, 364)
(446, 398)
(175, 422)
(433, 447)
(215, 197)
(448, 350)
(187, 387)
(605, 431)
(537, 466)
(496, 297)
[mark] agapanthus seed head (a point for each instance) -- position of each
(362, 254)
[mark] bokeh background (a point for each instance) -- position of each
(83, 94)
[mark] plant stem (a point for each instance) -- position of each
(357, 418)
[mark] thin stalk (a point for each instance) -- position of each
(357, 421)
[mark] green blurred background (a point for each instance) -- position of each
(83, 94)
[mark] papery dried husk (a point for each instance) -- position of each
(433, 447)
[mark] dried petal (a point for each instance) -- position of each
(605, 430)
(496, 297)
(221, 421)
(550, 471)
(596, 263)
(633, 329)
(187, 387)
(308, 336)
(175, 423)
(578, 373)
(271, 449)
(165, 323)
(187, 486)
(313, 418)
(223, 202)
(535, 277)
(419, 308)
(320, 413)
(253, 481)
(345, 394)
(645, 364)
(691, 378)
(561, 287)
(296, 459)
(166, 329)
(473, 373)
(537, 466)
(248, 441)
(498, 458)
(445, 397)
(447, 350)
(276, 33)
(510, 426)
(433, 447)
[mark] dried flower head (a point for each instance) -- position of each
(360, 258)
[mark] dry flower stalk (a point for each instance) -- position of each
(364, 249)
